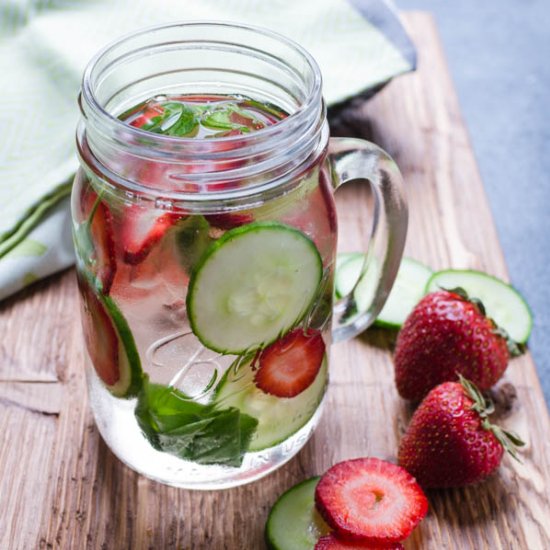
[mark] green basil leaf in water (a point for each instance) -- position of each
(201, 433)
(176, 119)
(183, 122)
(229, 117)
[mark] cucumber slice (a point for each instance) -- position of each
(278, 417)
(348, 269)
(503, 303)
(110, 343)
(407, 290)
(252, 285)
(293, 522)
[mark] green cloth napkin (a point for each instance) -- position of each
(44, 47)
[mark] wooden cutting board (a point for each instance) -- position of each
(61, 487)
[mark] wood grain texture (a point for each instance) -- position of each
(61, 487)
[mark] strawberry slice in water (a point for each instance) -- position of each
(141, 229)
(229, 220)
(370, 500)
(331, 542)
(100, 336)
(109, 341)
(94, 238)
(148, 117)
(101, 230)
(290, 365)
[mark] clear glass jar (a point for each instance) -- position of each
(206, 266)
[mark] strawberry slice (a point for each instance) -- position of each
(229, 220)
(290, 365)
(145, 118)
(100, 336)
(94, 237)
(370, 500)
(141, 230)
(331, 542)
(101, 230)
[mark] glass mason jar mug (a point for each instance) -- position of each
(205, 231)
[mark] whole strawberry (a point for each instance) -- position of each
(450, 441)
(445, 335)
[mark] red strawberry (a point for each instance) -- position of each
(331, 542)
(445, 335)
(229, 220)
(243, 120)
(290, 365)
(99, 335)
(141, 229)
(96, 230)
(147, 115)
(450, 442)
(370, 500)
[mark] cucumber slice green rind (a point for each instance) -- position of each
(348, 269)
(407, 291)
(278, 418)
(293, 523)
(131, 379)
(131, 372)
(503, 303)
(253, 284)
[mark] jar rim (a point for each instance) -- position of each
(290, 143)
(88, 93)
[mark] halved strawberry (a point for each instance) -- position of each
(100, 336)
(331, 542)
(94, 238)
(370, 500)
(290, 365)
(141, 229)
(101, 230)
(109, 340)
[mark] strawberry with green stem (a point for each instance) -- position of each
(448, 334)
(450, 441)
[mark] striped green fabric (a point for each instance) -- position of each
(44, 47)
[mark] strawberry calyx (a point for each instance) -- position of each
(484, 406)
(515, 349)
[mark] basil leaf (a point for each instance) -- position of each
(230, 117)
(185, 125)
(174, 424)
(176, 119)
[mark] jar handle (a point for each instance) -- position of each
(355, 159)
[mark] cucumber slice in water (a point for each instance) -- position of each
(407, 290)
(503, 303)
(348, 269)
(110, 343)
(252, 285)
(278, 417)
(293, 522)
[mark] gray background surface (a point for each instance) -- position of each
(499, 55)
